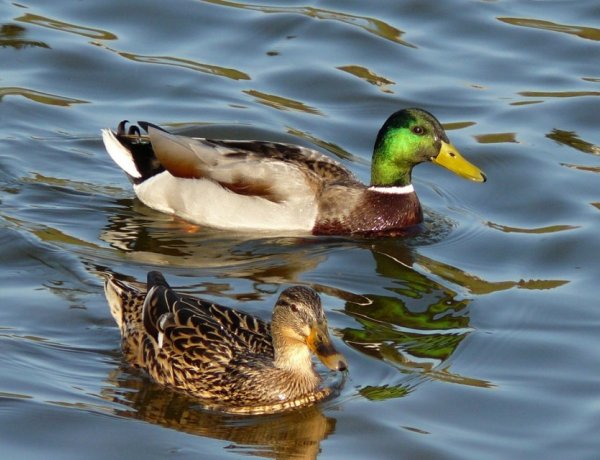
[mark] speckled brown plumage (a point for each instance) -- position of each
(230, 360)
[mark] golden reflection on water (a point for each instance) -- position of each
(331, 147)
(369, 76)
(558, 94)
(5, 395)
(496, 138)
(478, 286)
(589, 33)
(458, 125)
(38, 96)
(281, 103)
(190, 64)
(529, 102)
(187, 64)
(11, 35)
(162, 239)
(69, 185)
(594, 169)
(35, 19)
(48, 234)
(372, 25)
(572, 139)
(291, 435)
(531, 231)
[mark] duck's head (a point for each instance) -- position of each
(299, 323)
(413, 136)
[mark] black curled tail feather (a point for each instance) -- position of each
(146, 124)
(158, 306)
(156, 278)
(140, 148)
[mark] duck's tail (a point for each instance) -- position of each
(156, 278)
(132, 151)
(125, 299)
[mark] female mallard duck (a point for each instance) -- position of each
(254, 185)
(231, 361)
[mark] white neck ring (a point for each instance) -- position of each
(393, 190)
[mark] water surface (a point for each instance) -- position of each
(475, 339)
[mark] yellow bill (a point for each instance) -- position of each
(450, 159)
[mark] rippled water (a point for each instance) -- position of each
(476, 339)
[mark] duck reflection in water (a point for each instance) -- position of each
(295, 434)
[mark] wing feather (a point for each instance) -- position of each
(201, 332)
(274, 171)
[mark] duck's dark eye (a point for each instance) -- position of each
(294, 307)
(419, 130)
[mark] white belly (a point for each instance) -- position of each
(207, 203)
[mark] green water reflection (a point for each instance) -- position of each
(416, 328)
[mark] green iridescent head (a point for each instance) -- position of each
(412, 136)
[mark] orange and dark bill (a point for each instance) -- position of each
(320, 344)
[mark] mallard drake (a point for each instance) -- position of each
(268, 186)
(231, 361)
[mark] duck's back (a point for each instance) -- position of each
(247, 185)
(142, 314)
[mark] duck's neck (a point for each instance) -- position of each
(294, 357)
(387, 173)
(391, 167)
